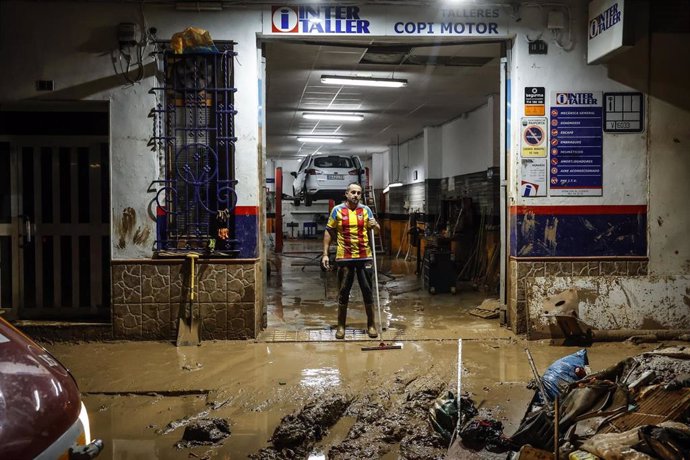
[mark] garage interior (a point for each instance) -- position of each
(424, 219)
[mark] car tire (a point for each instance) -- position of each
(296, 201)
(307, 199)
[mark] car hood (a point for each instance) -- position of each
(39, 399)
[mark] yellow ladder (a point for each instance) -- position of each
(370, 200)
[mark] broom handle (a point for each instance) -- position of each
(459, 398)
(376, 281)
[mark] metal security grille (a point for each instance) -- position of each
(55, 227)
(194, 132)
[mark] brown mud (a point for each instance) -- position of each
(204, 432)
(141, 395)
(333, 399)
(395, 416)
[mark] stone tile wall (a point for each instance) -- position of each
(523, 271)
(147, 297)
(483, 190)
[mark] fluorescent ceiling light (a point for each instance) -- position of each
(199, 6)
(396, 184)
(320, 140)
(363, 81)
(386, 190)
(334, 116)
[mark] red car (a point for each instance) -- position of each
(41, 412)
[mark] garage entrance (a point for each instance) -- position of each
(441, 136)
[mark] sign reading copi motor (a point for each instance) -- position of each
(377, 20)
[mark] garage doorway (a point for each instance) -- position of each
(300, 309)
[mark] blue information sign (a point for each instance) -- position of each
(575, 147)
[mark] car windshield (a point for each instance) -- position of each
(332, 162)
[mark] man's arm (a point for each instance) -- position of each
(326, 243)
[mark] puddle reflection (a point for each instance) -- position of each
(320, 378)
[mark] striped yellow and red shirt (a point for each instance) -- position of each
(352, 228)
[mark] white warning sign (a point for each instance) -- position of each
(533, 143)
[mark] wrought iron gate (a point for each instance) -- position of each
(194, 133)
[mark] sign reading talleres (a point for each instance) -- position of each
(575, 150)
(335, 19)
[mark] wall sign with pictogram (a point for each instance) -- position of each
(533, 177)
(623, 113)
(533, 149)
(534, 135)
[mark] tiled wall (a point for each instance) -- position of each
(411, 195)
(483, 190)
(523, 271)
(427, 196)
(147, 296)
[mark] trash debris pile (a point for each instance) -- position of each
(638, 409)
(477, 432)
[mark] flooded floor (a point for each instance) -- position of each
(141, 395)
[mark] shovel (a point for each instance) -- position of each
(188, 321)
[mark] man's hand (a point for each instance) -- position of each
(326, 243)
(374, 224)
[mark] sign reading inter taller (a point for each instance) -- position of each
(609, 30)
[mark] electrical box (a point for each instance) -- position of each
(538, 47)
(556, 20)
(127, 33)
(45, 85)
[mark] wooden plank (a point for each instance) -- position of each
(656, 406)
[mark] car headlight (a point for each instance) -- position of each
(84, 419)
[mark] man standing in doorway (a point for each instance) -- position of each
(349, 222)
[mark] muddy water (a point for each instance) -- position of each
(133, 391)
(300, 296)
(142, 395)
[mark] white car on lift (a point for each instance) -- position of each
(325, 177)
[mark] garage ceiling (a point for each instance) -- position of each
(444, 81)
